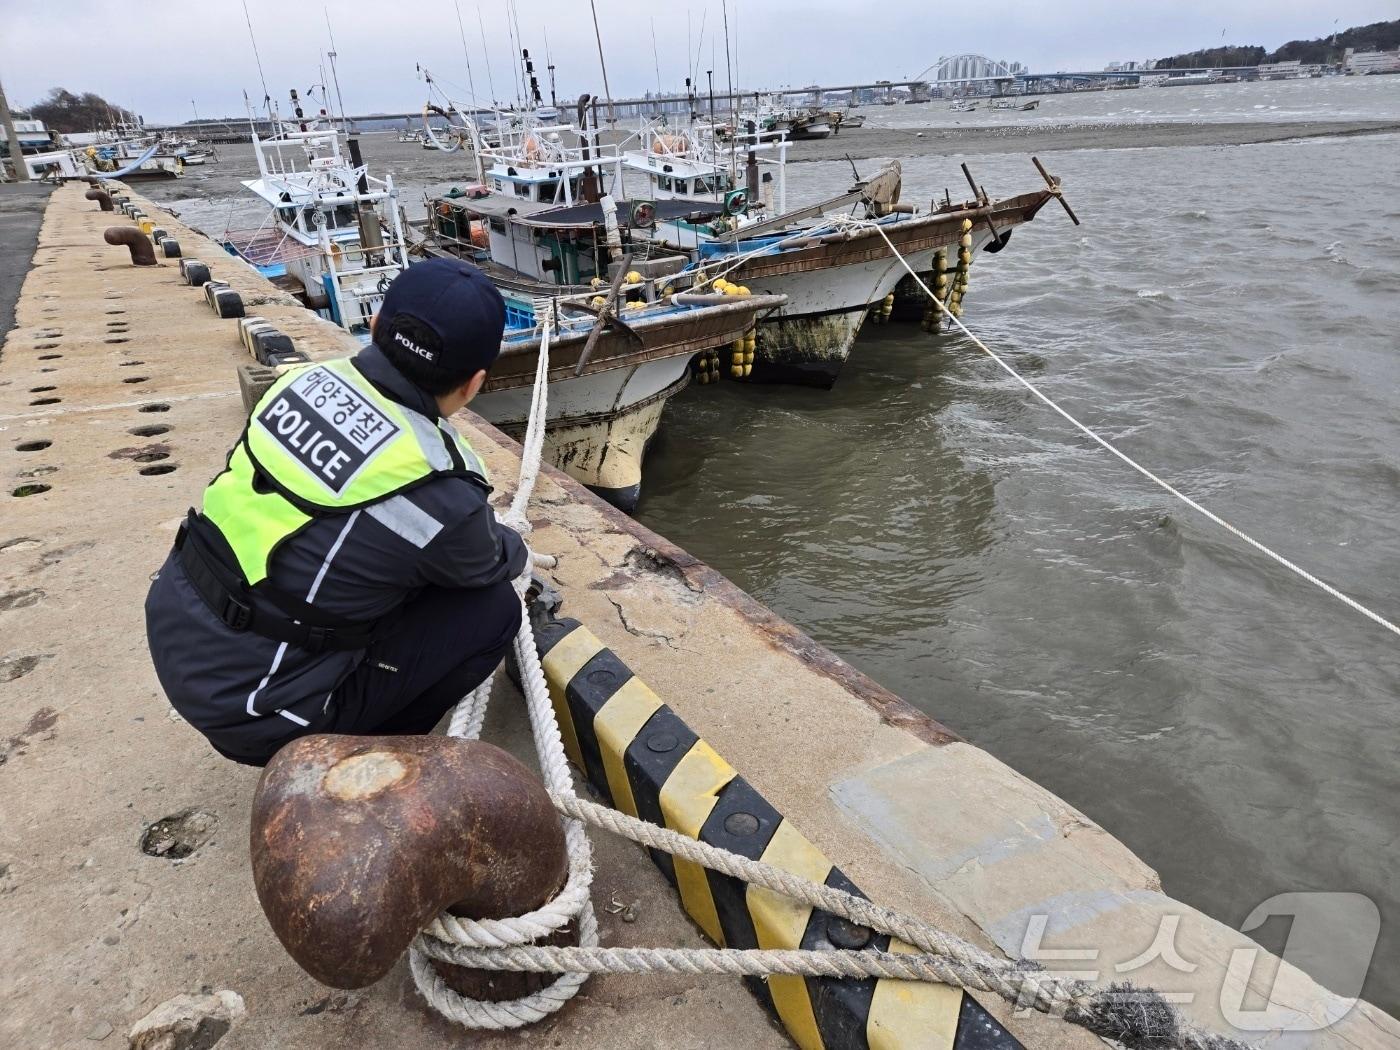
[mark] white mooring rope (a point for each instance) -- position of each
(1134, 1017)
(1093, 435)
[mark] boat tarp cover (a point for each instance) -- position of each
(590, 215)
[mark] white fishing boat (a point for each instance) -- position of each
(538, 224)
(830, 260)
(333, 233)
(130, 149)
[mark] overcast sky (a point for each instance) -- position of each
(155, 56)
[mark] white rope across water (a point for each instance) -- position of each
(1137, 1018)
(1094, 436)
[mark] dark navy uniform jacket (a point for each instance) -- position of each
(244, 689)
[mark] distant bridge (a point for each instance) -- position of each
(918, 88)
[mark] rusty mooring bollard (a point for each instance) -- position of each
(357, 842)
(102, 197)
(142, 254)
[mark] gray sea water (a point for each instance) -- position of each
(1230, 316)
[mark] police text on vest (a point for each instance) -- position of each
(327, 426)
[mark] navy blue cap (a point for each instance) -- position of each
(447, 313)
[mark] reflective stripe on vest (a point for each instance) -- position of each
(328, 441)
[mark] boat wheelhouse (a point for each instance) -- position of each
(333, 233)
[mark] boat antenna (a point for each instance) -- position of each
(699, 46)
(733, 117)
(656, 61)
(267, 98)
(490, 83)
(465, 53)
(532, 88)
(513, 32)
(549, 64)
(335, 77)
(602, 62)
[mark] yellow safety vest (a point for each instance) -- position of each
(324, 441)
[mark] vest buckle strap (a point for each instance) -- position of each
(235, 614)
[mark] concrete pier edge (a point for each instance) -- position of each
(97, 932)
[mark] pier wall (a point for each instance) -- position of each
(98, 932)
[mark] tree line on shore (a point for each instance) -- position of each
(66, 112)
(1328, 50)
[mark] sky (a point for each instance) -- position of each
(168, 60)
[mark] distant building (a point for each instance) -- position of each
(1361, 63)
(1280, 70)
(1130, 67)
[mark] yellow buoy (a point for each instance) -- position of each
(965, 240)
(633, 277)
(967, 226)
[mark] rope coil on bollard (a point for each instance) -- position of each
(1133, 1017)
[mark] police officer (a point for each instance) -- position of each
(346, 573)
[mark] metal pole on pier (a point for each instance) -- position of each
(16, 152)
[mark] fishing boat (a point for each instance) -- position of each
(539, 225)
(846, 119)
(127, 147)
(605, 405)
(811, 125)
(831, 260)
(333, 234)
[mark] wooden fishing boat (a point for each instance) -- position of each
(833, 272)
(517, 224)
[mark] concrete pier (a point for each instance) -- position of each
(118, 402)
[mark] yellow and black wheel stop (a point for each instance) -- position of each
(642, 759)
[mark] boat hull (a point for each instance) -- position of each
(598, 424)
(602, 447)
(832, 285)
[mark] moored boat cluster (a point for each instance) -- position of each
(655, 255)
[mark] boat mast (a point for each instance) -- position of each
(335, 78)
(549, 64)
(490, 83)
(267, 98)
(467, 55)
(733, 116)
(602, 62)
